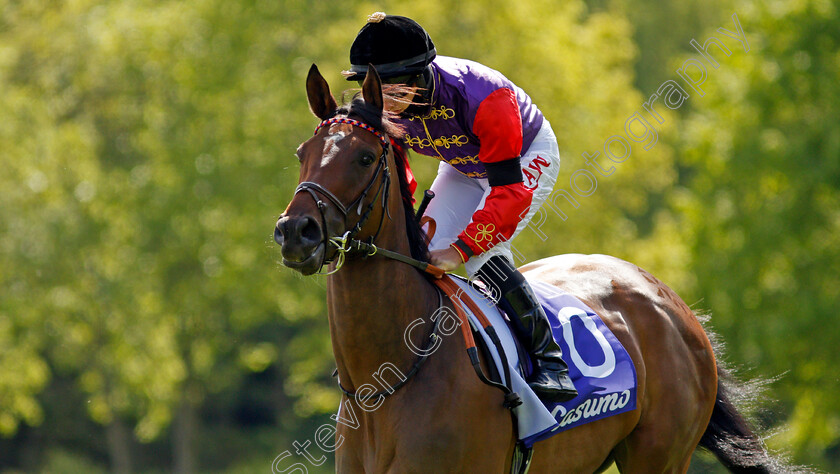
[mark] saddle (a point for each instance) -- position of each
(602, 370)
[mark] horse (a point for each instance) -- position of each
(441, 417)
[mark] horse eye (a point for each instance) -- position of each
(366, 159)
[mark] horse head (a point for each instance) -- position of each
(343, 169)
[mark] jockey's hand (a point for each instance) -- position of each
(447, 259)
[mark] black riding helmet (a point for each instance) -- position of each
(395, 45)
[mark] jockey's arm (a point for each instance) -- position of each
(498, 126)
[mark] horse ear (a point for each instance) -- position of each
(372, 88)
(321, 102)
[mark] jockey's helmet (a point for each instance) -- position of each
(397, 46)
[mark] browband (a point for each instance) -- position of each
(382, 138)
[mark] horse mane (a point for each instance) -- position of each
(358, 109)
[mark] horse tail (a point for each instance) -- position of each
(730, 437)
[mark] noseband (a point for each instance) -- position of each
(314, 189)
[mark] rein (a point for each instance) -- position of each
(348, 243)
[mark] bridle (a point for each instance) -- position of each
(346, 242)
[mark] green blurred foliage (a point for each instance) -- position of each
(146, 149)
(759, 203)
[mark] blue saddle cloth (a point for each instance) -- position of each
(600, 367)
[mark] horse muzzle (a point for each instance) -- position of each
(302, 241)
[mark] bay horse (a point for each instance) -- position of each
(443, 418)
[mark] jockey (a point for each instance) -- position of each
(499, 161)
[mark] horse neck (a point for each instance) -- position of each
(372, 302)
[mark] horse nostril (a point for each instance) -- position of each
(281, 229)
(310, 230)
(278, 236)
(297, 231)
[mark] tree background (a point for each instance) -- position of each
(146, 150)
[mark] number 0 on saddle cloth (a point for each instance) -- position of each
(601, 368)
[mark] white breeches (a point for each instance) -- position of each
(457, 196)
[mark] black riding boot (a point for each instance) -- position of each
(550, 377)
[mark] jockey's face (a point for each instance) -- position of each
(404, 80)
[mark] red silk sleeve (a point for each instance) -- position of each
(498, 126)
(497, 220)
